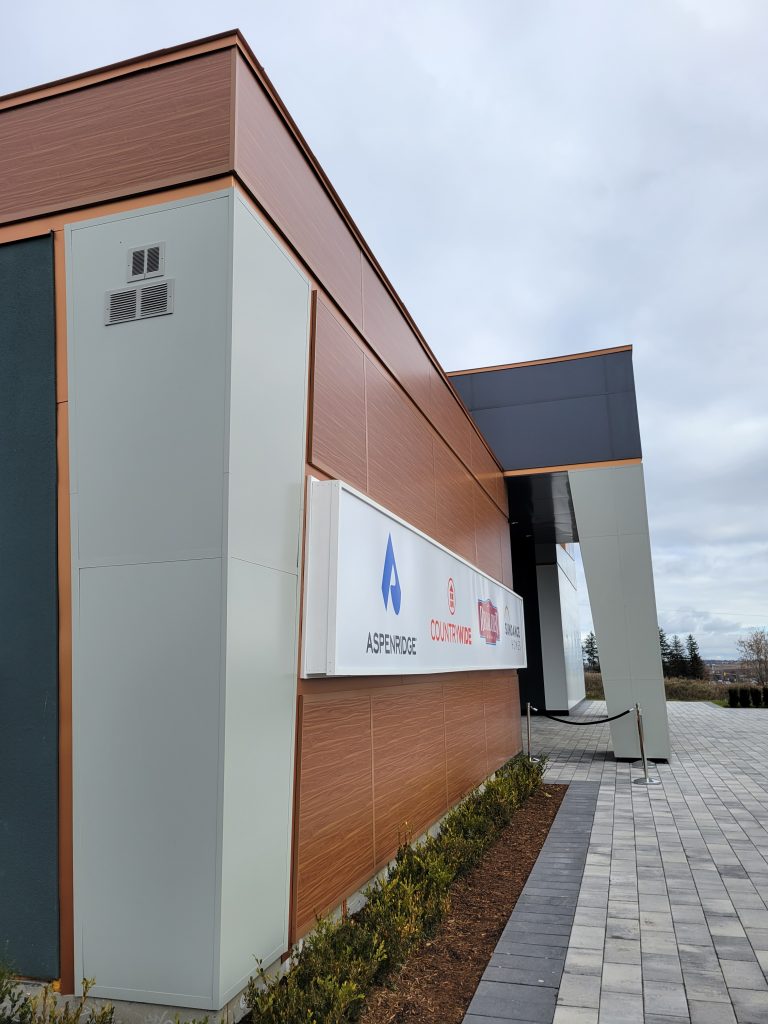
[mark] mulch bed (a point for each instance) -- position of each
(439, 979)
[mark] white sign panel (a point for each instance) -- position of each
(382, 598)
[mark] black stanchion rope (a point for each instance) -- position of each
(589, 721)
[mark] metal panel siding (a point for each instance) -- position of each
(148, 460)
(137, 132)
(28, 611)
(616, 552)
(559, 413)
(267, 425)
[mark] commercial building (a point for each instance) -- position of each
(259, 622)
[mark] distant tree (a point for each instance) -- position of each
(590, 655)
(696, 669)
(753, 652)
(665, 652)
(678, 663)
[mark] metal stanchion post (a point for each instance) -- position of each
(646, 780)
(528, 712)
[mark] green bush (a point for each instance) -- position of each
(765, 696)
(733, 696)
(16, 1007)
(756, 693)
(745, 697)
(341, 959)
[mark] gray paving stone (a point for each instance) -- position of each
(665, 882)
(620, 1008)
(750, 1007)
(579, 990)
(623, 978)
(706, 986)
(743, 975)
(710, 1013)
(513, 1002)
(661, 967)
(665, 997)
(524, 970)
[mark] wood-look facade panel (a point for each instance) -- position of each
(455, 509)
(401, 468)
(487, 472)
(450, 419)
(390, 336)
(278, 174)
(409, 759)
(388, 757)
(502, 719)
(335, 833)
(138, 132)
(465, 743)
(489, 523)
(338, 407)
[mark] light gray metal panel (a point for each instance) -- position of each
(258, 770)
(147, 397)
(148, 419)
(270, 341)
(552, 653)
(270, 326)
(146, 779)
(616, 552)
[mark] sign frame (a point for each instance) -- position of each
(320, 655)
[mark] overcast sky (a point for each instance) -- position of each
(538, 178)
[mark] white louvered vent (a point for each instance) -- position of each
(121, 306)
(138, 303)
(156, 299)
(146, 261)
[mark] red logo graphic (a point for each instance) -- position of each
(451, 596)
(488, 616)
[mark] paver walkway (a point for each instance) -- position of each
(667, 921)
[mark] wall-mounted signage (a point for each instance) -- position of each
(382, 598)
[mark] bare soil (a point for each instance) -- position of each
(438, 981)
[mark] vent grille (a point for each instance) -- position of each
(138, 303)
(155, 299)
(121, 306)
(146, 261)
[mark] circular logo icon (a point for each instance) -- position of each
(451, 596)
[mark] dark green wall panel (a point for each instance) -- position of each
(29, 929)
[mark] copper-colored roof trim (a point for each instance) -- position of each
(540, 470)
(541, 362)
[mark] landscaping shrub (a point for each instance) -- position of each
(745, 697)
(765, 696)
(16, 1007)
(756, 693)
(341, 959)
(733, 696)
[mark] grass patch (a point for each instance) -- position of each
(341, 960)
(675, 689)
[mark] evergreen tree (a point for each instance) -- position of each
(590, 655)
(678, 663)
(696, 668)
(665, 652)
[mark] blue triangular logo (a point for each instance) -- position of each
(390, 586)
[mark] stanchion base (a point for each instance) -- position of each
(646, 780)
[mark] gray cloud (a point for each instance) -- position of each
(542, 178)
